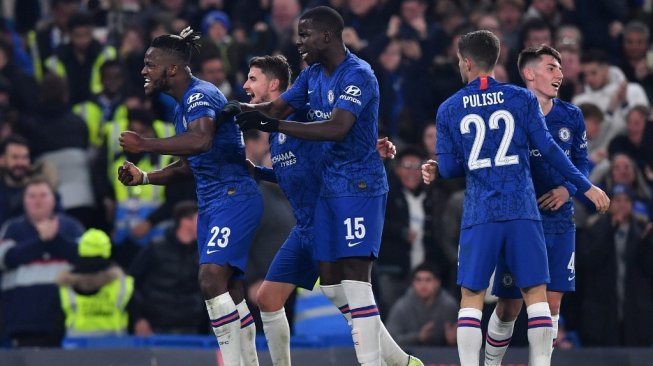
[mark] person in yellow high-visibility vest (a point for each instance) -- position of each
(81, 59)
(95, 294)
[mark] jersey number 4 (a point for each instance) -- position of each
(500, 158)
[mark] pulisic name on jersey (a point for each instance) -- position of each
(284, 159)
(480, 100)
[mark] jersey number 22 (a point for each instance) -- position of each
(500, 158)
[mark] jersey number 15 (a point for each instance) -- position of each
(500, 158)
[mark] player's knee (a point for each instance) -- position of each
(554, 306)
(269, 301)
(213, 281)
(508, 310)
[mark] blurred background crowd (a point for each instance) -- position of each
(70, 83)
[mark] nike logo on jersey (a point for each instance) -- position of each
(310, 91)
(350, 244)
(571, 277)
(209, 251)
(263, 123)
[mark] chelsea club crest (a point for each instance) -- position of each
(281, 138)
(564, 134)
(330, 96)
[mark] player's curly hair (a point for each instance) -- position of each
(182, 46)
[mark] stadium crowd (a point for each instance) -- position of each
(70, 82)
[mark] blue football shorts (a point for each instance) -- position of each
(224, 234)
(561, 255)
(294, 261)
(348, 227)
(519, 243)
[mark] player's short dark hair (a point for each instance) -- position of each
(180, 46)
(594, 55)
(531, 54)
(78, 20)
(482, 47)
(325, 19)
(12, 139)
(274, 67)
(427, 267)
(591, 110)
(183, 210)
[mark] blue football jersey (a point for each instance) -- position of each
(352, 167)
(221, 171)
(567, 127)
(488, 127)
(297, 166)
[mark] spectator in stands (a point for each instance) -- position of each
(364, 21)
(572, 83)
(94, 294)
(596, 149)
(426, 315)
(635, 65)
(615, 264)
(80, 60)
(16, 170)
(601, 22)
(21, 85)
(43, 42)
(212, 69)
(165, 275)
(105, 106)
(408, 238)
(637, 141)
(34, 248)
(510, 13)
(546, 10)
(624, 171)
(607, 88)
(216, 40)
(568, 36)
(60, 138)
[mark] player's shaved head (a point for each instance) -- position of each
(482, 47)
(531, 54)
(325, 19)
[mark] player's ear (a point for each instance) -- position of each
(172, 70)
(326, 36)
(274, 84)
(527, 74)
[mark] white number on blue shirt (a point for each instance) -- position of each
(500, 158)
(223, 240)
(358, 229)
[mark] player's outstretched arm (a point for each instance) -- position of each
(334, 129)
(197, 139)
(130, 175)
(277, 108)
(598, 198)
(429, 171)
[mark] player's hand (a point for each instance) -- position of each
(257, 121)
(553, 199)
(132, 142)
(429, 171)
(229, 111)
(386, 148)
(598, 198)
(129, 174)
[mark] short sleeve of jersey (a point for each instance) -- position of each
(443, 143)
(297, 95)
(356, 92)
(201, 104)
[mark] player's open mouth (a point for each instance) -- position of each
(556, 85)
(303, 54)
(250, 94)
(147, 82)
